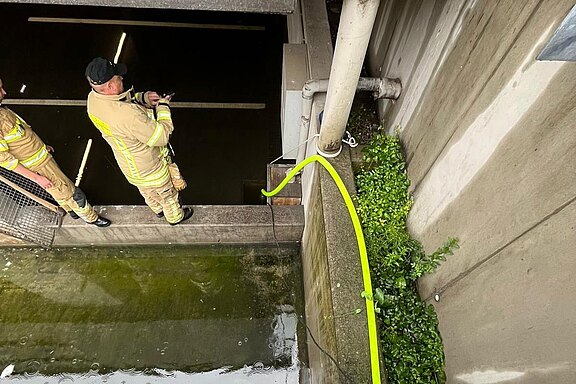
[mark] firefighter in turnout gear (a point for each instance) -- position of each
(23, 152)
(137, 127)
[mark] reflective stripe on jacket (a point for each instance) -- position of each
(19, 143)
(137, 138)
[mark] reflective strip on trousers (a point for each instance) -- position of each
(36, 158)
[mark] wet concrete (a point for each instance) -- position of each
(222, 152)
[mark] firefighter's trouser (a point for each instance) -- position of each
(65, 193)
(163, 199)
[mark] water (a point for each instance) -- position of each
(203, 314)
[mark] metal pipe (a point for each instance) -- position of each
(380, 88)
(354, 30)
(308, 91)
(174, 104)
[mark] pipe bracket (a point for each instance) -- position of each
(328, 154)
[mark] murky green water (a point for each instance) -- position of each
(212, 314)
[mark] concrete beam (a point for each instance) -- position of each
(237, 224)
(252, 6)
(345, 271)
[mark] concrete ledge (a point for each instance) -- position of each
(255, 6)
(234, 224)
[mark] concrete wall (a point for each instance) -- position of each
(490, 140)
(330, 256)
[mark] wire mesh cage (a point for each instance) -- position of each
(24, 218)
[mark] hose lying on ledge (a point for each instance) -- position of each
(372, 335)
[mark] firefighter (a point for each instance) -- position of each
(137, 127)
(23, 152)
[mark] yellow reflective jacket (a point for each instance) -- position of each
(19, 143)
(137, 135)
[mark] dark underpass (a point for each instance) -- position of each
(225, 70)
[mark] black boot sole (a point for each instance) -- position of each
(101, 222)
(188, 212)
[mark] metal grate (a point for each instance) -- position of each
(24, 218)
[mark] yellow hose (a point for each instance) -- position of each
(372, 335)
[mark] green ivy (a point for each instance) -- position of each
(411, 344)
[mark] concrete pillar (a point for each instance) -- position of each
(354, 32)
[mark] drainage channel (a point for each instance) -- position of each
(202, 314)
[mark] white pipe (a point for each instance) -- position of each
(380, 88)
(119, 49)
(308, 91)
(354, 30)
(83, 164)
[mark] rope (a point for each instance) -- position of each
(351, 141)
(293, 149)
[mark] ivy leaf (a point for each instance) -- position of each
(400, 282)
(379, 296)
(366, 295)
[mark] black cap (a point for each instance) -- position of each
(101, 70)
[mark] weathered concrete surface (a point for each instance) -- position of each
(332, 281)
(527, 177)
(514, 315)
(488, 53)
(410, 40)
(331, 261)
(255, 6)
(318, 299)
(489, 135)
(210, 224)
(481, 135)
(345, 272)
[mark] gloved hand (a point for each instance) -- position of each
(165, 99)
(176, 177)
(151, 98)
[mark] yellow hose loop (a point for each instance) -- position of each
(372, 335)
